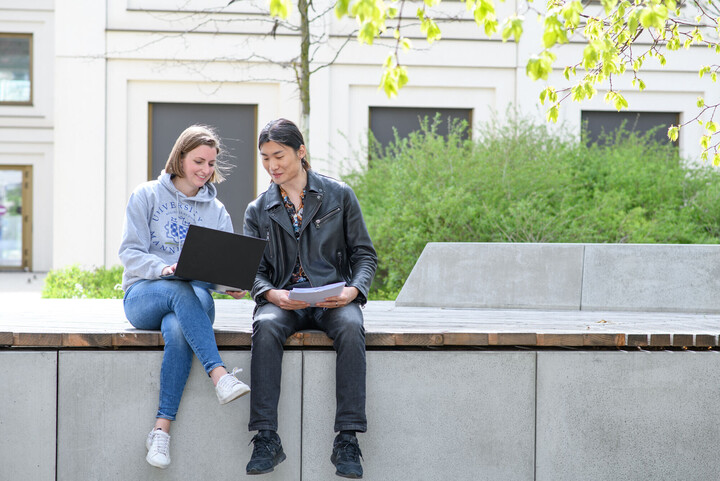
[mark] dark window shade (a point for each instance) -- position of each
(385, 120)
(595, 123)
(237, 127)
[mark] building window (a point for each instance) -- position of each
(236, 124)
(15, 69)
(600, 126)
(385, 121)
(15, 221)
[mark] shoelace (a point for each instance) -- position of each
(161, 443)
(261, 443)
(348, 451)
(228, 381)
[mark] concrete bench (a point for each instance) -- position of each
(616, 277)
(510, 387)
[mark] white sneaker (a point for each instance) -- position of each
(158, 446)
(230, 388)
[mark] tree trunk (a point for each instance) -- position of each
(304, 70)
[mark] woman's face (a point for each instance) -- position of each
(283, 163)
(198, 166)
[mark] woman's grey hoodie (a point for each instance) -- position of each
(156, 222)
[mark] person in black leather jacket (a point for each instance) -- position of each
(316, 236)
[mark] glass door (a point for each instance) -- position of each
(15, 209)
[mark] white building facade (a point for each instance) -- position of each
(105, 77)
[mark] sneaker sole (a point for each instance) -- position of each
(237, 395)
(279, 460)
(157, 465)
(338, 473)
(352, 476)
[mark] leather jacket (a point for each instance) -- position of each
(334, 243)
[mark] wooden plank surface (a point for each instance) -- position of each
(65, 323)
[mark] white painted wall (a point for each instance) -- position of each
(26, 132)
(99, 63)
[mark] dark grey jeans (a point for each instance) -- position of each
(271, 328)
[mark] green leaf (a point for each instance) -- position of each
(341, 8)
(571, 13)
(430, 29)
(673, 132)
(633, 23)
(711, 127)
(705, 142)
(553, 113)
(590, 56)
(539, 67)
(654, 16)
(394, 77)
(554, 32)
(617, 99)
(700, 102)
(280, 8)
(513, 26)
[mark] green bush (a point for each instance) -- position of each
(520, 182)
(99, 283)
(75, 283)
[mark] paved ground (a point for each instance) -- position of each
(20, 286)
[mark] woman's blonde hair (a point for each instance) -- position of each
(191, 138)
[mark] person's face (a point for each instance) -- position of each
(198, 166)
(282, 162)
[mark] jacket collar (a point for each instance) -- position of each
(314, 186)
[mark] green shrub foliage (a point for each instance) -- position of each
(75, 283)
(520, 182)
(99, 283)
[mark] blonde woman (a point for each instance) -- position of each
(156, 221)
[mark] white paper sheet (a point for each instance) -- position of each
(313, 295)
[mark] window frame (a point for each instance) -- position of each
(27, 217)
(30, 38)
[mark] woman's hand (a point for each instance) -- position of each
(280, 298)
(347, 295)
(236, 294)
(169, 270)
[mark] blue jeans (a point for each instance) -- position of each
(184, 312)
(271, 328)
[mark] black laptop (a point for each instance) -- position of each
(228, 261)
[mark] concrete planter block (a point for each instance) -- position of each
(107, 405)
(644, 277)
(495, 275)
(435, 416)
(627, 415)
(28, 383)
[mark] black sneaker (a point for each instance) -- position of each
(267, 453)
(346, 456)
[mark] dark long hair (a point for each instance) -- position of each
(285, 132)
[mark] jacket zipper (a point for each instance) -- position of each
(267, 237)
(322, 219)
(340, 266)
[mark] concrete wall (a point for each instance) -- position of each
(627, 277)
(461, 415)
(28, 397)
